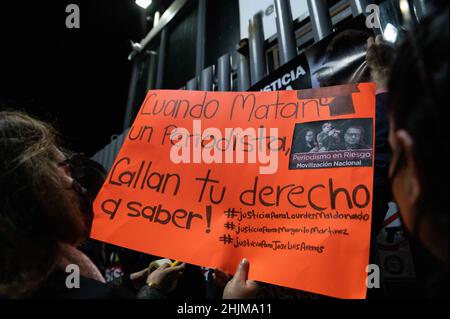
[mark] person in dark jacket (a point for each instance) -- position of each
(380, 56)
(418, 108)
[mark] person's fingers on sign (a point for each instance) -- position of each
(138, 278)
(165, 278)
(239, 287)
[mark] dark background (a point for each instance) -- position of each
(75, 78)
(78, 79)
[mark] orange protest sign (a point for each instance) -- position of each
(283, 179)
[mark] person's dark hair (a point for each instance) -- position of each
(419, 104)
(309, 130)
(36, 213)
(314, 134)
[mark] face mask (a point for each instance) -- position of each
(397, 167)
(85, 203)
(76, 163)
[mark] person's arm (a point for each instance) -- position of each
(320, 137)
(131, 282)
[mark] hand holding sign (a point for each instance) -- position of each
(165, 277)
(220, 203)
(239, 287)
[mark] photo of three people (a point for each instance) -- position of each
(330, 136)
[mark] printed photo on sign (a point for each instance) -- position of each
(332, 144)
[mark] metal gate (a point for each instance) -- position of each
(253, 59)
